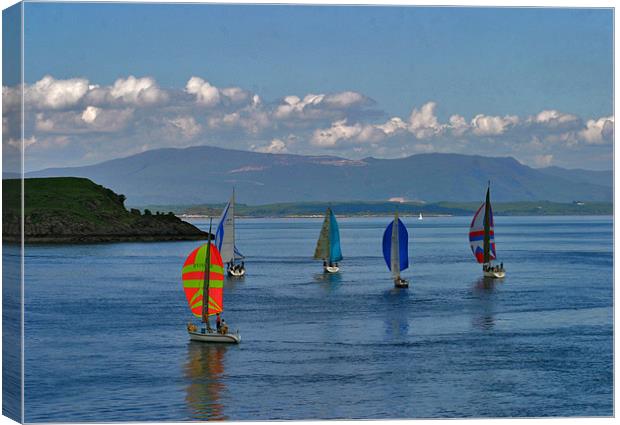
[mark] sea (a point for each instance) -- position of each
(106, 340)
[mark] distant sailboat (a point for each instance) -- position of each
(196, 283)
(225, 240)
(396, 250)
(482, 239)
(420, 217)
(328, 245)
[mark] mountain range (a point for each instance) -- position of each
(206, 174)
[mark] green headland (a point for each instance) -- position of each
(71, 209)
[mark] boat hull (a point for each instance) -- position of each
(332, 269)
(401, 283)
(236, 273)
(495, 275)
(215, 337)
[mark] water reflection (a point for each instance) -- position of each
(204, 371)
(328, 280)
(396, 309)
(483, 292)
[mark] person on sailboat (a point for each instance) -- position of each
(218, 322)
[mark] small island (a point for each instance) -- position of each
(77, 210)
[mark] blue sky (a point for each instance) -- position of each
(466, 62)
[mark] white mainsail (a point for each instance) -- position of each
(225, 233)
(395, 250)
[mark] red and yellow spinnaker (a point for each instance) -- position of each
(193, 280)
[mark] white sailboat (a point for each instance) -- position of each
(396, 250)
(203, 279)
(225, 241)
(328, 245)
(420, 217)
(482, 240)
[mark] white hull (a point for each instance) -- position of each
(215, 337)
(236, 273)
(332, 269)
(495, 275)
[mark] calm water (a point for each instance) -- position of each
(106, 340)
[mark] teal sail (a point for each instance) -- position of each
(335, 254)
(328, 245)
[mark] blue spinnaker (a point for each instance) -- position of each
(403, 245)
(334, 239)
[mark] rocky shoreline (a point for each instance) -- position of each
(75, 210)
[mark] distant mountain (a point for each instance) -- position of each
(601, 178)
(206, 174)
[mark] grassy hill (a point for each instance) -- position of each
(71, 209)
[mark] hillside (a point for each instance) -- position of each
(77, 210)
(205, 174)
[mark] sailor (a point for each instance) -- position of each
(324, 263)
(218, 322)
(224, 329)
(501, 266)
(242, 265)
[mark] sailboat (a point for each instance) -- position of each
(482, 239)
(328, 245)
(225, 240)
(420, 217)
(396, 250)
(196, 283)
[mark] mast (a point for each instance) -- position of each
(328, 219)
(205, 284)
(232, 206)
(395, 254)
(487, 226)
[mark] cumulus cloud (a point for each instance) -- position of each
(458, 125)
(136, 91)
(553, 118)
(205, 93)
(186, 125)
(598, 131)
(90, 120)
(485, 125)
(423, 123)
(276, 146)
(338, 131)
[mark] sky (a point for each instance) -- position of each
(109, 80)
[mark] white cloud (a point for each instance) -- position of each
(553, 118)
(205, 93)
(338, 131)
(90, 120)
(346, 99)
(186, 125)
(485, 125)
(136, 91)
(49, 93)
(276, 146)
(423, 123)
(458, 125)
(90, 114)
(598, 131)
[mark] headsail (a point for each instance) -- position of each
(481, 233)
(328, 245)
(225, 233)
(194, 278)
(335, 254)
(396, 246)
